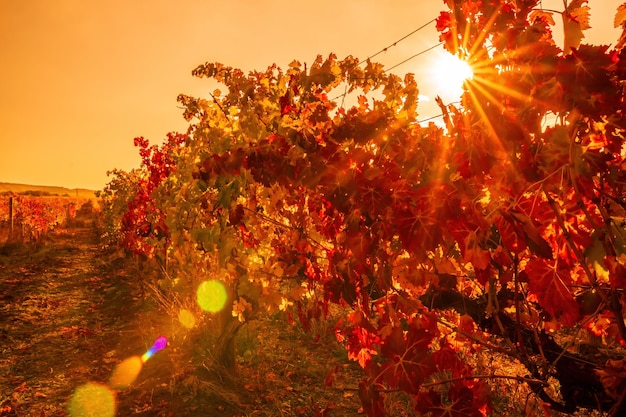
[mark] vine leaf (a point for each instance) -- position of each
(474, 254)
(616, 266)
(463, 400)
(411, 361)
(613, 377)
(575, 20)
(361, 346)
(373, 403)
(550, 285)
(542, 15)
(524, 226)
(620, 16)
(306, 203)
(620, 20)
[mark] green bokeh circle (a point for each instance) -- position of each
(211, 296)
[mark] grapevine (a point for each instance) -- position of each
(489, 234)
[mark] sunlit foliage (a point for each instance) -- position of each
(501, 233)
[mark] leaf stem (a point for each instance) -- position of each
(490, 376)
(463, 378)
(579, 255)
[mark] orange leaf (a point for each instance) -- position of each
(542, 15)
(474, 254)
(620, 20)
(620, 16)
(20, 388)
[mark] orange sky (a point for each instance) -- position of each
(81, 79)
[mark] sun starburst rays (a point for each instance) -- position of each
(495, 88)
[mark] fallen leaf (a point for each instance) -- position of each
(20, 388)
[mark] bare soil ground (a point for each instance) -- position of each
(70, 311)
(64, 313)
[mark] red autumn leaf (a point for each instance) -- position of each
(447, 360)
(248, 238)
(464, 400)
(372, 401)
(362, 345)
(428, 402)
(236, 216)
(550, 281)
(524, 226)
(613, 377)
(285, 104)
(512, 238)
(411, 361)
(616, 266)
(444, 21)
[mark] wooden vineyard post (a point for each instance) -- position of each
(10, 217)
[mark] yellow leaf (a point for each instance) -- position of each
(278, 270)
(271, 300)
(575, 20)
(297, 293)
(572, 32)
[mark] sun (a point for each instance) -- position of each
(448, 73)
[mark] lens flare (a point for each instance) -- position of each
(159, 344)
(126, 373)
(97, 400)
(211, 296)
(128, 370)
(92, 400)
(186, 318)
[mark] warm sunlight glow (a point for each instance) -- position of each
(186, 318)
(448, 73)
(126, 372)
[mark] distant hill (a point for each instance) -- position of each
(61, 191)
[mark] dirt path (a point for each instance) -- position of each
(63, 312)
(70, 312)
